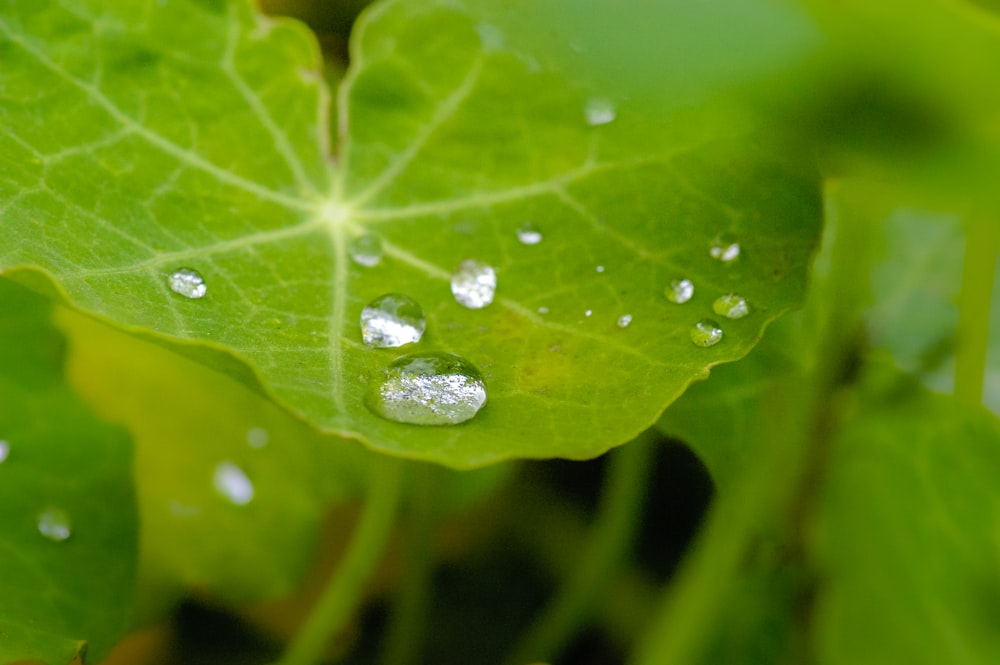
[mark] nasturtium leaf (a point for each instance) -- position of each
(905, 549)
(142, 138)
(194, 429)
(67, 473)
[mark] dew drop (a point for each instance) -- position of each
(706, 333)
(54, 524)
(529, 234)
(4, 450)
(543, 310)
(473, 284)
(731, 306)
(680, 291)
(589, 313)
(257, 437)
(366, 250)
(428, 389)
(599, 111)
(624, 321)
(725, 248)
(600, 268)
(392, 320)
(188, 283)
(231, 482)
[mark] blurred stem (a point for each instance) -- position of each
(981, 246)
(403, 642)
(345, 588)
(607, 544)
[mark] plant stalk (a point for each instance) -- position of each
(981, 249)
(344, 590)
(607, 544)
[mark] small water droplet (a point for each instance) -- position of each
(731, 306)
(392, 320)
(600, 268)
(257, 437)
(725, 248)
(529, 234)
(188, 283)
(54, 524)
(706, 333)
(624, 321)
(4, 450)
(231, 482)
(599, 111)
(473, 284)
(680, 291)
(428, 389)
(543, 310)
(589, 312)
(366, 250)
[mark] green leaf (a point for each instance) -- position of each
(190, 424)
(60, 595)
(198, 140)
(905, 548)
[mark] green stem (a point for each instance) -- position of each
(344, 590)
(606, 546)
(981, 247)
(404, 637)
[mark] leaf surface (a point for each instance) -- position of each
(147, 137)
(59, 596)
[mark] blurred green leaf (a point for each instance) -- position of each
(195, 428)
(198, 141)
(905, 545)
(70, 591)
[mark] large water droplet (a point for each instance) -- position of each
(731, 306)
(231, 482)
(706, 333)
(473, 284)
(366, 250)
(188, 283)
(392, 320)
(428, 389)
(257, 437)
(4, 450)
(599, 111)
(725, 248)
(529, 234)
(680, 291)
(54, 524)
(624, 321)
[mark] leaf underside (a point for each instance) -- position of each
(145, 137)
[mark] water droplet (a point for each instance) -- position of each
(473, 284)
(188, 283)
(731, 306)
(589, 312)
(706, 333)
(428, 389)
(680, 291)
(725, 248)
(392, 320)
(366, 250)
(529, 234)
(233, 484)
(624, 321)
(54, 524)
(543, 310)
(600, 268)
(4, 450)
(599, 111)
(257, 437)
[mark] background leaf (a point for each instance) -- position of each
(59, 597)
(198, 141)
